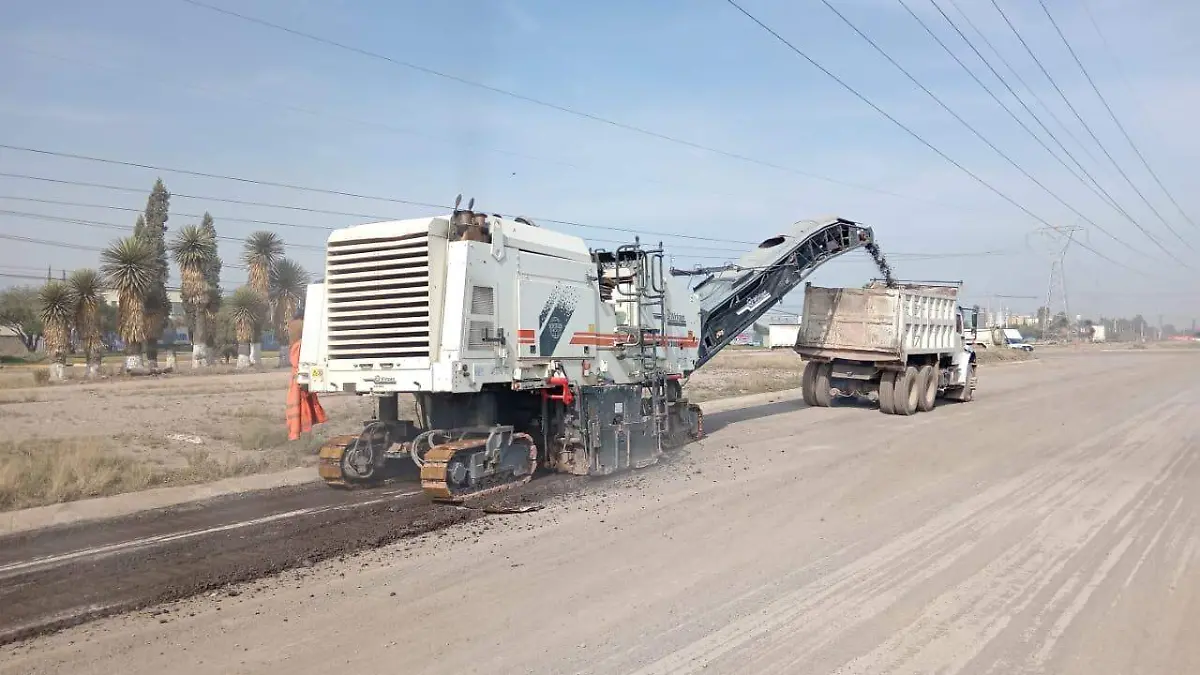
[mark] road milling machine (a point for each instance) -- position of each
(524, 349)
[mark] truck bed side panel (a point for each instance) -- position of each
(876, 324)
(854, 320)
(930, 325)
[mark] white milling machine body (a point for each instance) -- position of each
(522, 347)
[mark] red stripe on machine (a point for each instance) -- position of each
(610, 340)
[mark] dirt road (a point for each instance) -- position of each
(1048, 527)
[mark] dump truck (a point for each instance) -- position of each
(900, 343)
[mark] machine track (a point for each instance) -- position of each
(438, 472)
(442, 478)
(440, 483)
(329, 463)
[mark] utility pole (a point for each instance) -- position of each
(1056, 285)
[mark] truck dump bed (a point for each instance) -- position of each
(878, 323)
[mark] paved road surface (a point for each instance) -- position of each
(1048, 527)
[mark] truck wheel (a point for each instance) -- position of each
(887, 385)
(821, 386)
(927, 386)
(906, 393)
(806, 382)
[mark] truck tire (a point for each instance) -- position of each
(806, 382)
(927, 386)
(906, 394)
(821, 386)
(887, 385)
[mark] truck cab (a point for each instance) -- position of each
(968, 324)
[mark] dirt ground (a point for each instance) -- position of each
(738, 372)
(75, 440)
(1050, 526)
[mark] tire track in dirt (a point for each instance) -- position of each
(806, 620)
(958, 624)
(951, 420)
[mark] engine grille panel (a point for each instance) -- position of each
(480, 323)
(377, 293)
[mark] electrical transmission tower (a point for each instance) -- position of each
(1058, 242)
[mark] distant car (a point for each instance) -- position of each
(1023, 346)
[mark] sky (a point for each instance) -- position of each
(173, 85)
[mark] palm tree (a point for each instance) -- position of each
(129, 267)
(248, 310)
(194, 249)
(212, 274)
(289, 283)
(262, 251)
(87, 295)
(56, 312)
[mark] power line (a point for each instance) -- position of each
(225, 218)
(1094, 186)
(542, 103)
(371, 124)
(914, 134)
(1116, 64)
(57, 202)
(126, 228)
(321, 228)
(1108, 48)
(24, 267)
(1020, 80)
(18, 275)
(339, 193)
(732, 265)
(519, 96)
(118, 226)
(1111, 114)
(223, 200)
(42, 277)
(989, 143)
(75, 246)
(1085, 125)
(202, 174)
(47, 242)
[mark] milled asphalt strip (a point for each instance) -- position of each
(67, 615)
(49, 562)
